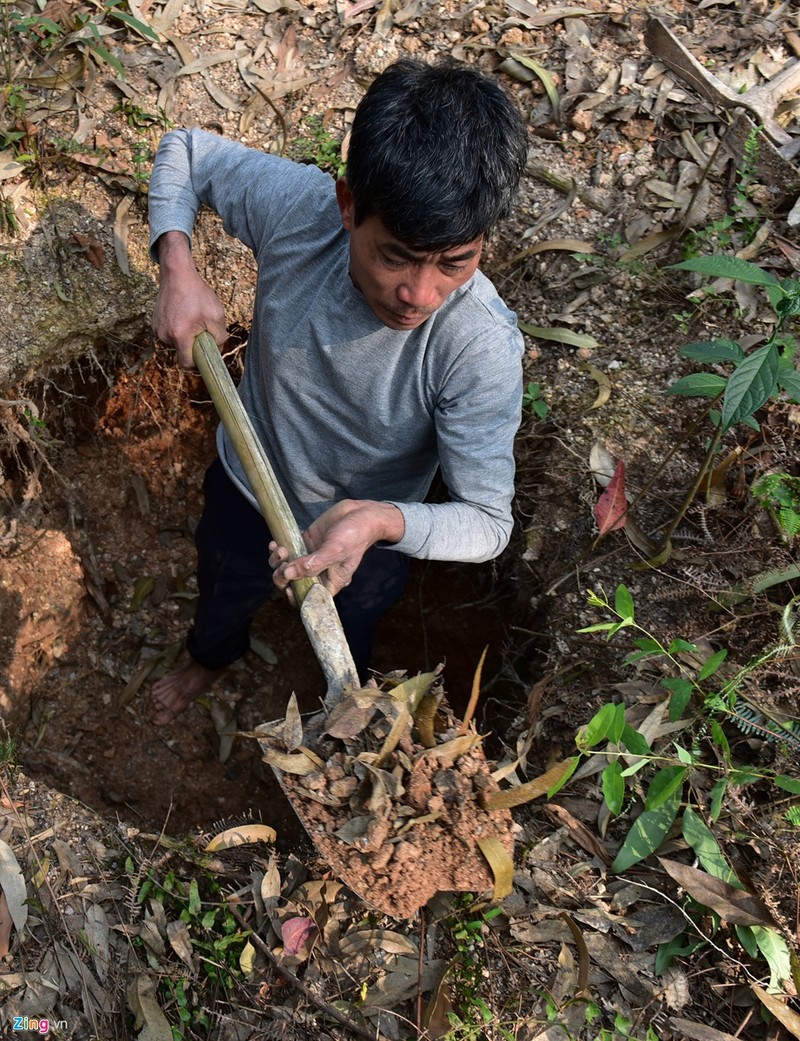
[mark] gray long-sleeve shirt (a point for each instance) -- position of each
(344, 406)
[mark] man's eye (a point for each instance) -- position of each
(393, 261)
(453, 269)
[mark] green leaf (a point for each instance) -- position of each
(728, 267)
(596, 730)
(716, 797)
(776, 954)
(617, 727)
(747, 939)
(559, 335)
(680, 695)
(713, 351)
(698, 385)
(574, 763)
(648, 832)
(135, 24)
(720, 739)
(701, 839)
(195, 903)
(712, 665)
(750, 386)
(685, 756)
(613, 787)
(665, 783)
(681, 947)
(788, 784)
(789, 381)
(633, 741)
(682, 645)
(647, 646)
(623, 602)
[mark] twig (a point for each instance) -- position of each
(568, 185)
(307, 993)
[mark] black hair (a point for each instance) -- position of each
(436, 152)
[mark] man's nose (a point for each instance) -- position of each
(419, 289)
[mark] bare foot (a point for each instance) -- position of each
(175, 691)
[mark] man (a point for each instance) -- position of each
(377, 352)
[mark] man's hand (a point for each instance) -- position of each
(338, 540)
(186, 305)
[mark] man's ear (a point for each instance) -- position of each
(347, 206)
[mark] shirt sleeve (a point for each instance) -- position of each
(195, 167)
(477, 416)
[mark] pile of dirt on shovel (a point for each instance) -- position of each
(393, 791)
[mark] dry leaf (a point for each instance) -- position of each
(295, 933)
(502, 865)
(526, 792)
(602, 381)
(241, 836)
(300, 764)
(12, 883)
(292, 726)
(734, 905)
(148, 1015)
(786, 1016)
(6, 925)
(181, 942)
(611, 509)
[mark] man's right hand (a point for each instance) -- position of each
(186, 304)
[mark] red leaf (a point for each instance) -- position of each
(295, 932)
(611, 509)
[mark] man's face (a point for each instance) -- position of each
(402, 286)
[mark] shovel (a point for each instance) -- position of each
(435, 858)
(317, 610)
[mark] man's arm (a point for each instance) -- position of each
(186, 305)
(338, 540)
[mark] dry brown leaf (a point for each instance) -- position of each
(699, 1031)
(732, 904)
(502, 865)
(292, 725)
(300, 763)
(350, 717)
(786, 1017)
(241, 836)
(121, 234)
(523, 793)
(602, 381)
(6, 924)
(580, 833)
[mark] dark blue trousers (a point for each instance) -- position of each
(234, 579)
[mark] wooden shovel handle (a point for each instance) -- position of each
(257, 467)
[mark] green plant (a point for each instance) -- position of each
(200, 925)
(666, 780)
(465, 978)
(533, 400)
(751, 380)
(317, 145)
(779, 494)
(740, 222)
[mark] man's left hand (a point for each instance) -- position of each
(337, 541)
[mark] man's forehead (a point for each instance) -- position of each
(460, 252)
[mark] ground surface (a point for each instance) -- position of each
(97, 557)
